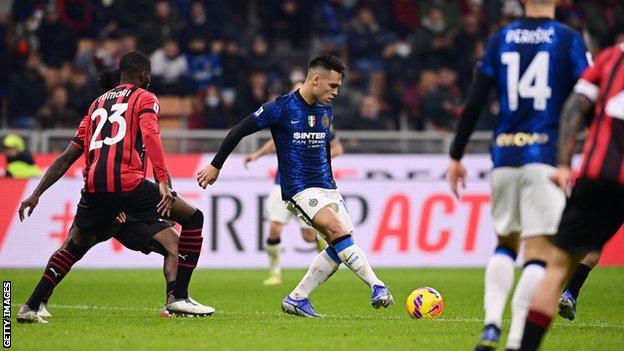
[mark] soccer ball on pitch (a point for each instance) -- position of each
(424, 303)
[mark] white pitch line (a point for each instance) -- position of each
(338, 316)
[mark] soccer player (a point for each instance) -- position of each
(279, 214)
(300, 125)
(570, 295)
(595, 210)
(533, 63)
(119, 125)
(144, 237)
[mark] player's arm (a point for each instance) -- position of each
(266, 115)
(265, 149)
(335, 148)
(59, 167)
(476, 100)
(148, 123)
(244, 128)
(571, 123)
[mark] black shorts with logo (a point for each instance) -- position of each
(97, 211)
(593, 214)
(137, 235)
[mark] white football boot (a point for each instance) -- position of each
(26, 315)
(43, 310)
(188, 308)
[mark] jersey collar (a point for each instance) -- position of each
(298, 95)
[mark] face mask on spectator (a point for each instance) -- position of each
(296, 77)
(212, 101)
(402, 49)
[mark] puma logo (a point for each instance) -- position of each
(56, 274)
(183, 257)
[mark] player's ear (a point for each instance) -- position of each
(316, 79)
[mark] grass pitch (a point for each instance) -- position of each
(118, 309)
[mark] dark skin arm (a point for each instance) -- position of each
(59, 167)
(571, 123)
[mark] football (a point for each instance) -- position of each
(424, 303)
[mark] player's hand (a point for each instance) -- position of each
(562, 176)
(455, 175)
(250, 158)
(30, 203)
(121, 217)
(207, 176)
(164, 206)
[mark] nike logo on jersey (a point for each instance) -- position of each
(294, 121)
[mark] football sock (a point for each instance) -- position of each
(324, 264)
(578, 279)
(59, 265)
(354, 258)
(532, 275)
(499, 276)
(536, 325)
(189, 249)
(274, 252)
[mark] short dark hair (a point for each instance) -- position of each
(134, 62)
(328, 62)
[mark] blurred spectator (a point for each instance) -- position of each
(330, 19)
(405, 16)
(255, 93)
(81, 90)
(26, 94)
(56, 113)
(233, 64)
(366, 40)
(19, 162)
(232, 112)
(438, 105)
(464, 44)
(287, 21)
(58, 42)
(259, 58)
(161, 27)
(170, 70)
(205, 66)
(76, 15)
(130, 14)
(402, 68)
(369, 115)
(434, 41)
(198, 25)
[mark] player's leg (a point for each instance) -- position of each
(58, 266)
(593, 214)
(165, 242)
(311, 235)
(499, 271)
(334, 222)
(274, 250)
(570, 295)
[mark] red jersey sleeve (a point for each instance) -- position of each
(148, 108)
(589, 83)
(79, 139)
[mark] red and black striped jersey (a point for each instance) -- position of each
(120, 124)
(603, 83)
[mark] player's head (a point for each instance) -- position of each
(107, 80)
(546, 3)
(135, 68)
(325, 75)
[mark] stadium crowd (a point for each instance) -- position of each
(410, 62)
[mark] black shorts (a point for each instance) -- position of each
(137, 235)
(97, 211)
(593, 214)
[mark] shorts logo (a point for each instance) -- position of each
(325, 121)
(311, 120)
(313, 202)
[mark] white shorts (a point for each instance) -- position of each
(278, 209)
(307, 203)
(525, 200)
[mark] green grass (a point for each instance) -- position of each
(115, 309)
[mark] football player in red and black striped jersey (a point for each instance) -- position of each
(119, 125)
(595, 210)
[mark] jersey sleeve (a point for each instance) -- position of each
(332, 132)
(589, 83)
(148, 108)
(579, 55)
(266, 115)
(486, 64)
(79, 139)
